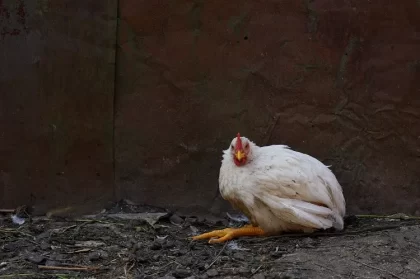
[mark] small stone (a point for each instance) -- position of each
(141, 258)
(243, 271)
(239, 256)
(16, 245)
(234, 271)
(191, 220)
(176, 220)
(258, 276)
(155, 246)
(277, 254)
(51, 263)
(185, 261)
(94, 256)
(212, 272)
(156, 257)
(138, 246)
(181, 273)
(113, 249)
(167, 277)
(307, 243)
(34, 258)
(127, 244)
(161, 239)
(57, 256)
(104, 255)
(179, 244)
(32, 249)
(213, 220)
(43, 235)
(413, 266)
(45, 245)
(169, 245)
(201, 266)
(180, 252)
(97, 255)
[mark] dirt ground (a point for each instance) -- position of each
(126, 242)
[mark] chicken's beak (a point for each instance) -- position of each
(240, 155)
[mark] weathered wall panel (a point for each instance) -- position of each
(56, 102)
(336, 79)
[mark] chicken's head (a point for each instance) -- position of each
(240, 149)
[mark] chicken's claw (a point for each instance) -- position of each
(229, 233)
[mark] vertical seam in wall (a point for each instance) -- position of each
(117, 191)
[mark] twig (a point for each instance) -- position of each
(127, 271)
(131, 267)
(377, 268)
(256, 270)
(218, 255)
(80, 251)
(64, 229)
(7, 210)
(74, 268)
(360, 250)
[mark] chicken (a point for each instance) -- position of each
(279, 190)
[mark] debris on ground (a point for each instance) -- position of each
(157, 245)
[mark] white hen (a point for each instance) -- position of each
(278, 189)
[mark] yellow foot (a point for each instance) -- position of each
(229, 233)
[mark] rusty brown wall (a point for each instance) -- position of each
(56, 104)
(336, 79)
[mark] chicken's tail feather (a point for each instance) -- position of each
(299, 212)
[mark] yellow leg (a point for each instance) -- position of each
(230, 233)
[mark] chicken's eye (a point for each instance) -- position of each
(246, 145)
(232, 147)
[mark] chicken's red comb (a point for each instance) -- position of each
(238, 142)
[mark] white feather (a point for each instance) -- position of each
(283, 190)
